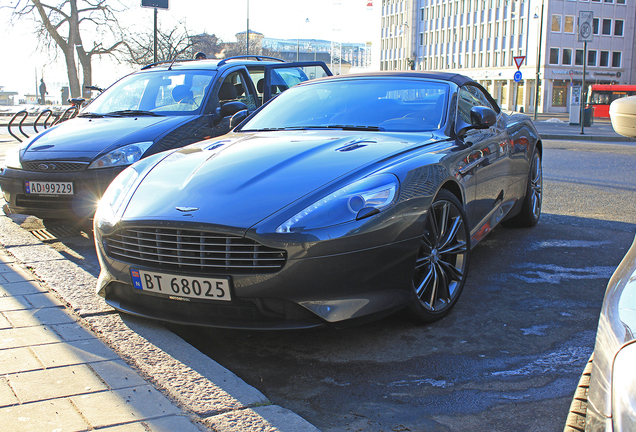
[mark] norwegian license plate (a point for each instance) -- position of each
(181, 286)
(48, 188)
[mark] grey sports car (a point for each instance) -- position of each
(342, 199)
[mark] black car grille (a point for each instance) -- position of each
(197, 252)
(54, 166)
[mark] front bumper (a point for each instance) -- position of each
(88, 185)
(306, 293)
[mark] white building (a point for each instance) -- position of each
(481, 38)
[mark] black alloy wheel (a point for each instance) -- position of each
(442, 260)
(531, 208)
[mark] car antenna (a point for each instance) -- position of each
(173, 60)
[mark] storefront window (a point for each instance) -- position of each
(559, 93)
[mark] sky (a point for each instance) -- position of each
(348, 20)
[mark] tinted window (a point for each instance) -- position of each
(470, 96)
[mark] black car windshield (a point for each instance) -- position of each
(159, 92)
(394, 105)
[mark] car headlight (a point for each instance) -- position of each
(358, 200)
(122, 156)
(12, 158)
(111, 205)
(623, 389)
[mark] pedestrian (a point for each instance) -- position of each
(200, 56)
(43, 91)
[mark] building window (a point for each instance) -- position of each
(554, 56)
(559, 93)
(618, 28)
(620, 1)
(616, 59)
(503, 58)
(607, 27)
(595, 26)
(578, 57)
(556, 23)
(569, 24)
(591, 58)
(604, 59)
(566, 59)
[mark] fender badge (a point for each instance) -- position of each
(187, 209)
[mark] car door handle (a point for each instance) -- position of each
(468, 168)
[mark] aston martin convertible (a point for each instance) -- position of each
(343, 199)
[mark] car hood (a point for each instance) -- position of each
(82, 139)
(252, 176)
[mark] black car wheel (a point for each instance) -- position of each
(531, 209)
(442, 260)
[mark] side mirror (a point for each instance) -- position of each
(481, 118)
(238, 118)
(228, 109)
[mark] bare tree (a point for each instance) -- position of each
(209, 44)
(171, 44)
(62, 25)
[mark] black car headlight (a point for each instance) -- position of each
(122, 156)
(358, 200)
(624, 389)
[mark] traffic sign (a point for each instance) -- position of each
(519, 61)
(518, 76)
(586, 18)
(159, 4)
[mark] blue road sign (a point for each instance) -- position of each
(518, 76)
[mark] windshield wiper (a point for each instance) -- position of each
(341, 127)
(91, 115)
(133, 113)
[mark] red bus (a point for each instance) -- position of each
(602, 95)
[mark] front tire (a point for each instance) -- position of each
(442, 259)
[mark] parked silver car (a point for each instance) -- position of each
(605, 399)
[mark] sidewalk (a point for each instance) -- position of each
(557, 127)
(56, 375)
(69, 362)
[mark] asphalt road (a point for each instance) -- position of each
(509, 355)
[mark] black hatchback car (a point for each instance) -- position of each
(62, 172)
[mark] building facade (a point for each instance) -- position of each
(482, 38)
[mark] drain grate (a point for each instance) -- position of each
(53, 233)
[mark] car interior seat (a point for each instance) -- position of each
(227, 93)
(182, 94)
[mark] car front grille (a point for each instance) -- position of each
(196, 252)
(54, 166)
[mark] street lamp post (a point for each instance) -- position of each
(536, 97)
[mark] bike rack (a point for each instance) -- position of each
(35, 123)
(24, 115)
(68, 114)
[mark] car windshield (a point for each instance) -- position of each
(394, 105)
(154, 93)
